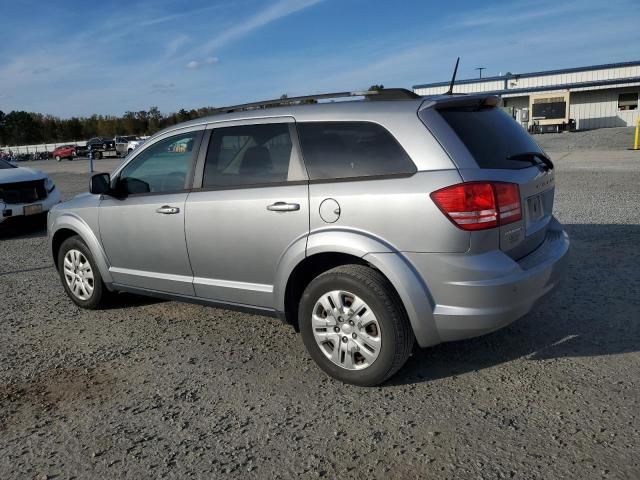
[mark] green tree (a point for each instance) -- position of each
(22, 128)
(19, 128)
(2, 124)
(155, 119)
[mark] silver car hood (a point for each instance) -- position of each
(20, 174)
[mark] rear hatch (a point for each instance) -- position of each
(486, 144)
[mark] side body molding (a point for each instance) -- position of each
(393, 264)
(71, 221)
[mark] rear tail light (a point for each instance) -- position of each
(480, 205)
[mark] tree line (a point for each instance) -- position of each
(28, 128)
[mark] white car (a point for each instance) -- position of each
(122, 144)
(24, 191)
(133, 144)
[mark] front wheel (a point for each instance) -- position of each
(58, 158)
(354, 325)
(79, 274)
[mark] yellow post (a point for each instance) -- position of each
(635, 142)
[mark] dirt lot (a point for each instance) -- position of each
(151, 389)
(600, 139)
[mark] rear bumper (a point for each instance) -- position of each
(477, 294)
(10, 210)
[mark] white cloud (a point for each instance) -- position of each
(194, 64)
(515, 13)
(174, 45)
(280, 9)
(163, 87)
(167, 18)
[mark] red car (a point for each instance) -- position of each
(65, 151)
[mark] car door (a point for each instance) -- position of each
(252, 205)
(142, 226)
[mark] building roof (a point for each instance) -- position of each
(514, 92)
(531, 74)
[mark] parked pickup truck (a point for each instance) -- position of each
(122, 144)
(101, 147)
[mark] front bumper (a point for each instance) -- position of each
(477, 294)
(10, 210)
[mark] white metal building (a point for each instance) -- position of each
(596, 96)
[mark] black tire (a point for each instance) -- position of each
(98, 155)
(397, 338)
(100, 293)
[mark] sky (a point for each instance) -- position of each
(78, 57)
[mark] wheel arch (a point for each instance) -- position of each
(329, 248)
(68, 225)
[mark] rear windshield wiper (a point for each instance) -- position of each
(532, 157)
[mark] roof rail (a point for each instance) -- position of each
(384, 94)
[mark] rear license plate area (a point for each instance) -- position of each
(535, 209)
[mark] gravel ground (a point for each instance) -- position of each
(600, 139)
(150, 389)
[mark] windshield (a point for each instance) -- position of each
(5, 164)
(493, 138)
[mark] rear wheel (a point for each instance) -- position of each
(354, 325)
(98, 155)
(79, 274)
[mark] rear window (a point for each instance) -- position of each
(351, 149)
(491, 136)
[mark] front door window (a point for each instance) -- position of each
(162, 167)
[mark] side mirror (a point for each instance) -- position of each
(100, 184)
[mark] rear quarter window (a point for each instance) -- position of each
(490, 135)
(335, 150)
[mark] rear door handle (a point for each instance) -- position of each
(167, 210)
(283, 207)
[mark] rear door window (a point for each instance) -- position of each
(351, 149)
(491, 136)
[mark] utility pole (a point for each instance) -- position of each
(480, 70)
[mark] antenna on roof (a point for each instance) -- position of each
(453, 79)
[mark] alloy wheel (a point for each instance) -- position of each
(346, 330)
(78, 274)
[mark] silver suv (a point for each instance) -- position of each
(368, 225)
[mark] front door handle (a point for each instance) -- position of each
(283, 207)
(167, 210)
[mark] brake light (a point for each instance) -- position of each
(480, 205)
(508, 200)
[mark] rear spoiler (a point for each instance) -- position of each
(452, 101)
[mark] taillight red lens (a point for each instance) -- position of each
(508, 197)
(479, 205)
